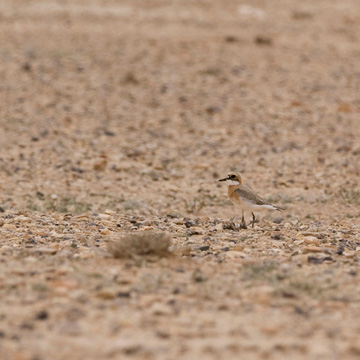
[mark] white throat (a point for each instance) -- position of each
(232, 182)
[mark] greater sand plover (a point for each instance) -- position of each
(246, 198)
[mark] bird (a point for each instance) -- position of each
(246, 198)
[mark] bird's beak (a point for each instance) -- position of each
(224, 179)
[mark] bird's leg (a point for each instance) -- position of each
(243, 223)
(253, 222)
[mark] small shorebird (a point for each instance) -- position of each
(246, 198)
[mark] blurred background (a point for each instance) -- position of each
(141, 106)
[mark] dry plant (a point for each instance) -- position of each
(140, 244)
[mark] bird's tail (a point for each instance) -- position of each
(278, 208)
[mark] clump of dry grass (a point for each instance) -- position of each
(140, 244)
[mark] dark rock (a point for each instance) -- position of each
(190, 223)
(26, 67)
(277, 236)
(123, 294)
(42, 315)
(263, 40)
(231, 39)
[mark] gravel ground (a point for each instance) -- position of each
(119, 118)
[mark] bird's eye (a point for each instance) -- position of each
(232, 177)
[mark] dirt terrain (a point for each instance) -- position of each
(119, 117)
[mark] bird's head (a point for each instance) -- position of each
(233, 178)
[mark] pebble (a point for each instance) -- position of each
(9, 226)
(22, 218)
(311, 240)
(105, 231)
(195, 231)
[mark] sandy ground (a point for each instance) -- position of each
(120, 116)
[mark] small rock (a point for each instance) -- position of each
(106, 294)
(311, 240)
(195, 231)
(204, 248)
(198, 276)
(311, 249)
(100, 165)
(123, 294)
(105, 231)
(231, 38)
(190, 223)
(159, 309)
(277, 236)
(263, 40)
(42, 315)
(22, 218)
(9, 226)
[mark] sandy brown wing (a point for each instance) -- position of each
(246, 193)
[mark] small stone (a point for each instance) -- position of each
(106, 295)
(204, 248)
(190, 223)
(311, 240)
(100, 165)
(105, 231)
(277, 236)
(159, 309)
(311, 249)
(9, 226)
(42, 315)
(263, 40)
(195, 231)
(198, 276)
(219, 227)
(123, 294)
(22, 218)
